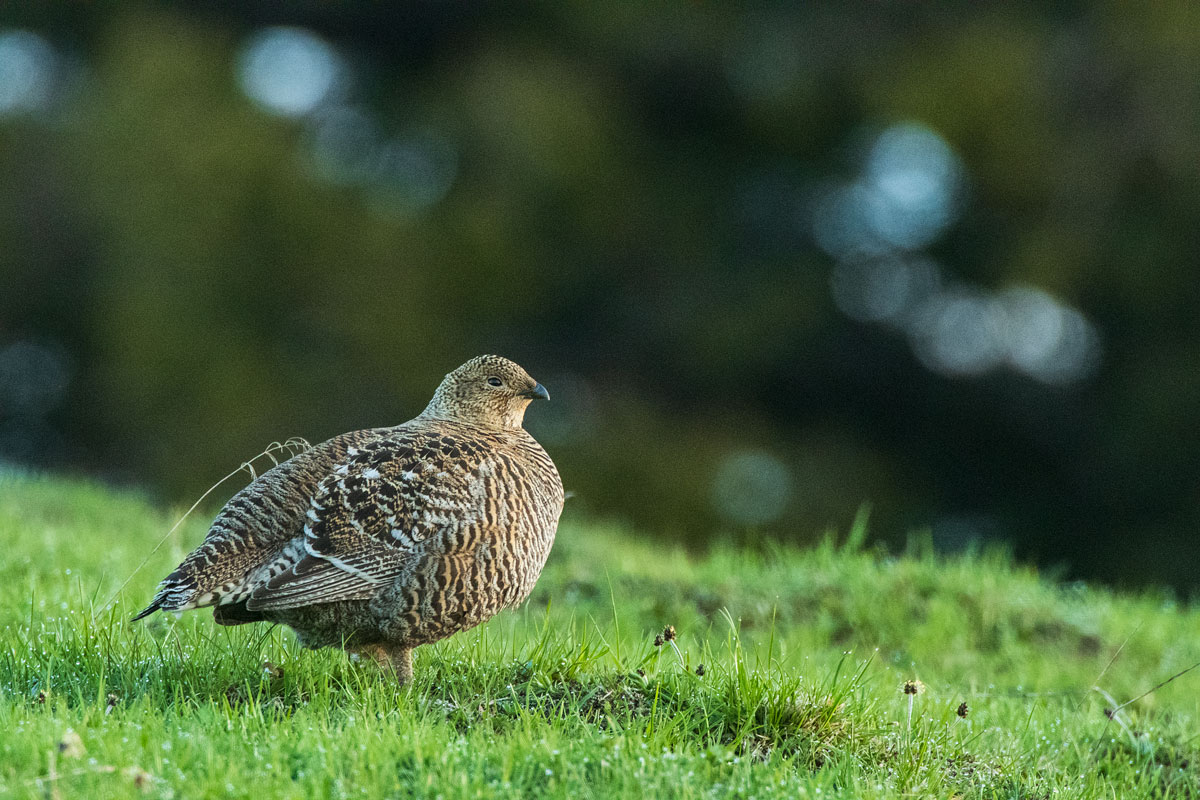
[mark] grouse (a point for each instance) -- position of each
(385, 539)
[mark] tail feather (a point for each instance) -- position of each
(148, 610)
(172, 595)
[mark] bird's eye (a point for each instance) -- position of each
(494, 381)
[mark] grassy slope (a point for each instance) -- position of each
(800, 697)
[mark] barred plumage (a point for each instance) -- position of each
(385, 539)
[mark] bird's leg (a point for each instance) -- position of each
(394, 659)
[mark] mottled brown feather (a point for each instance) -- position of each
(385, 539)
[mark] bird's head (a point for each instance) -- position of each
(487, 390)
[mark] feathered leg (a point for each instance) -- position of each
(394, 659)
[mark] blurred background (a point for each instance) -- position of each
(770, 264)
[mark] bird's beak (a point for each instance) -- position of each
(537, 393)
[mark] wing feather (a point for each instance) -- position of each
(369, 520)
(252, 527)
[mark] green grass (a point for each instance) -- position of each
(805, 653)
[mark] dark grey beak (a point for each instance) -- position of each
(537, 393)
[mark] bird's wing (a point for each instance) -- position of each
(252, 527)
(370, 520)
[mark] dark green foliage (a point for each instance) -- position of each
(629, 217)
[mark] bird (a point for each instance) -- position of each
(381, 540)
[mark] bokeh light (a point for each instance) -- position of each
(876, 226)
(912, 178)
(341, 145)
(959, 332)
(401, 175)
(289, 71)
(28, 65)
(842, 223)
(412, 173)
(751, 487)
(1048, 341)
(886, 290)
(905, 199)
(964, 331)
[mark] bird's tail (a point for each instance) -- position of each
(175, 593)
(148, 610)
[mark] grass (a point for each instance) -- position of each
(805, 654)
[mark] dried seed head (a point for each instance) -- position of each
(963, 710)
(641, 672)
(658, 640)
(668, 633)
(700, 670)
(914, 687)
